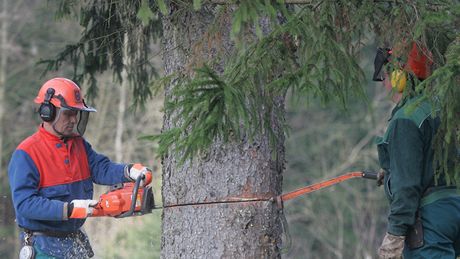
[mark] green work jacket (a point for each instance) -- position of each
(406, 155)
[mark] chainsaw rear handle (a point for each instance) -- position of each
(130, 212)
(370, 175)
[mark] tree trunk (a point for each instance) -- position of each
(210, 227)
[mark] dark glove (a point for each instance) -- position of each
(380, 176)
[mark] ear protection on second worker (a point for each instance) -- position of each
(398, 79)
(381, 58)
(47, 110)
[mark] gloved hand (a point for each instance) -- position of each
(137, 170)
(392, 247)
(380, 177)
(80, 209)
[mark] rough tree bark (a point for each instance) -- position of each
(217, 229)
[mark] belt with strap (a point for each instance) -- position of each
(59, 234)
(441, 193)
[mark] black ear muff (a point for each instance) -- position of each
(381, 58)
(47, 110)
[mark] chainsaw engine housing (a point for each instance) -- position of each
(118, 201)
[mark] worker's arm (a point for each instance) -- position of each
(104, 171)
(406, 150)
(24, 180)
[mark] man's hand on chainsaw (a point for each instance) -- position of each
(80, 209)
(136, 170)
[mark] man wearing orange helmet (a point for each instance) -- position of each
(52, 172)
(424, 217)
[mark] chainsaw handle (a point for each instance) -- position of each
(133, 198)
(370, 175)
(97, 211)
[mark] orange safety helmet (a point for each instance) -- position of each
(66, 95)
(419, 61)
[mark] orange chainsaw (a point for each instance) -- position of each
(125, 200)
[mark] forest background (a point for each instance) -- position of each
(344, 221)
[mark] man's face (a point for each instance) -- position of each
(65, 122)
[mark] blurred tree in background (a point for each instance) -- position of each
(28, 32)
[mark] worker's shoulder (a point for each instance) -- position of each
(29, 143)
(415, 109)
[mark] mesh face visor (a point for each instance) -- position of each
(62, 123)
(381, 58)
(82, 122)
(82, 113)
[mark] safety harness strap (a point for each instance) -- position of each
(440, 194)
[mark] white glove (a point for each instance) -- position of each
(392, 247)
(139, 170)
(80, 209)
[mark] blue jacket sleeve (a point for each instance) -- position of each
(24, 180)
(104, 171)
(406, 152)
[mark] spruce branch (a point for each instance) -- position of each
(310, 49)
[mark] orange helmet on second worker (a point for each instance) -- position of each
(419, 61)
(66, 94)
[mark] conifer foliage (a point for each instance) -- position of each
(105, 25)
(312, 49)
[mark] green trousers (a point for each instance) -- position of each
(441, 230)
(40, 255)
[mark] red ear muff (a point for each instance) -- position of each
(47, 110)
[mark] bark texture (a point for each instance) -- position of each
(215, 228)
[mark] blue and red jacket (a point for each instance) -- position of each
(46, 172)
